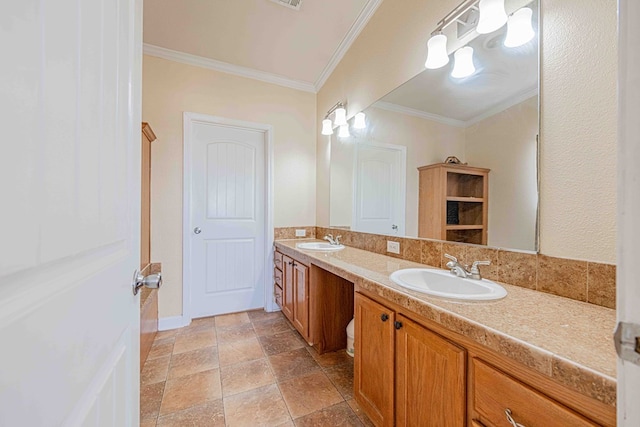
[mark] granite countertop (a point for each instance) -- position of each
(567, 340)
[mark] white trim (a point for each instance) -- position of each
(188, 120)
(503, 106)
(225, 67)
(418, 113)
(361, 21)
(173, 322)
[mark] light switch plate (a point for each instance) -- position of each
(393, 247)
(301, 233)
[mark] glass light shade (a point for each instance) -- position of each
(343, 132)
(463, 63)
(341, 116)
(326, 127)
(492, 16)
(519, 28)
(437, 52)
(359, 122)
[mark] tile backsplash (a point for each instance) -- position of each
(590, 282)
(290, 232)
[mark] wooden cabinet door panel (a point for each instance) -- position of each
(301, 299)
(374, 360)
(287, 288)
(430, 378)
(494, 392)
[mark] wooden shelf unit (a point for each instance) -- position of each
(453, 203)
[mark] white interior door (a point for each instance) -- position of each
(70, 185)
(226, 230)
(628, 298)
(379, 189)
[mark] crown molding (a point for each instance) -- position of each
(417, 113)
(225, 67)
(529, 93)
(353, 33)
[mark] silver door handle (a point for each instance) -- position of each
(197, 230)
(152, 281)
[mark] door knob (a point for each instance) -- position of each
(152, 281)
(197, 230)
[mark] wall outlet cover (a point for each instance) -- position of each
(393, 247)
(301, 233)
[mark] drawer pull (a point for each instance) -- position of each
(513, 422)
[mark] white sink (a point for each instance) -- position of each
(441, 283)
(319, 246)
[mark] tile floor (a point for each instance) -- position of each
(245, 369)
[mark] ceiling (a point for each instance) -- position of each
(302, 46)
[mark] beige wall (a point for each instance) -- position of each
(506, 144)
(171, 88)
(578, 110)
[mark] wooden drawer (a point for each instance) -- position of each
(493, 392)
(277, 259)
(277, 293)
(277, 277)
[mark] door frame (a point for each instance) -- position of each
(403, 182)
(188, 120)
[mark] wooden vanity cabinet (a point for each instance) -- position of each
(399, 361)
(295, 294)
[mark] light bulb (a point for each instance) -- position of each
(341, 116)
(463, 63)
(359, 122)
(326, 127)
(343, 132)
(492, 16)
(519, 28)
(437, 52)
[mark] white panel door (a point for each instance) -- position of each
(69, 224)
(379, 189)
(628, 298)
(226, 230)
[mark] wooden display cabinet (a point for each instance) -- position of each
(453, 202)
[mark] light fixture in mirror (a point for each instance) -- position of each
(437, 55)
(463, 63)
(492, 16)
(519, 29)
(359, 122)
(341, 116)
(488, 120)
(343, 131)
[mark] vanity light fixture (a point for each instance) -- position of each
(343, 131)
(327, 128)
(360, 122)
(437, 56)
(463, 63)
(519, 28)
(492, 16)
(340, 118)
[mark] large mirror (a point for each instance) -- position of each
(489, 121)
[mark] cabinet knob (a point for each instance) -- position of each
(384, 317)
(398, 325)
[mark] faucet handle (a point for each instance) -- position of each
(477, 263)
(451, 257)
(474, 273)
(337, 239)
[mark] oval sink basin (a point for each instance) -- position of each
(319, 246)
(441, 283)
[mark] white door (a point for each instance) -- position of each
(226, 219)
(379, 189)
(628, 298)
(69, 223)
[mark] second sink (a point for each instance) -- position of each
(442, 283)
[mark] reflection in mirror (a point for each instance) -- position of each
(488, 120)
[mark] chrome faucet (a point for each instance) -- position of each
(332, 240)
(464, 271)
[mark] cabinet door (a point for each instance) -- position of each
(301, 299)
(373, 365)
(430, 378)
(287, 287)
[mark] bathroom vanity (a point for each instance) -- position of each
(536, 358)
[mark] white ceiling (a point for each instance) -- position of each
(260, 35)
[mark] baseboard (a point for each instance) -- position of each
(174, 322)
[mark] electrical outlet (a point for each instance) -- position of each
(393, 247)
(301, 233)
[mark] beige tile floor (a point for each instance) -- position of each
(245, 369)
